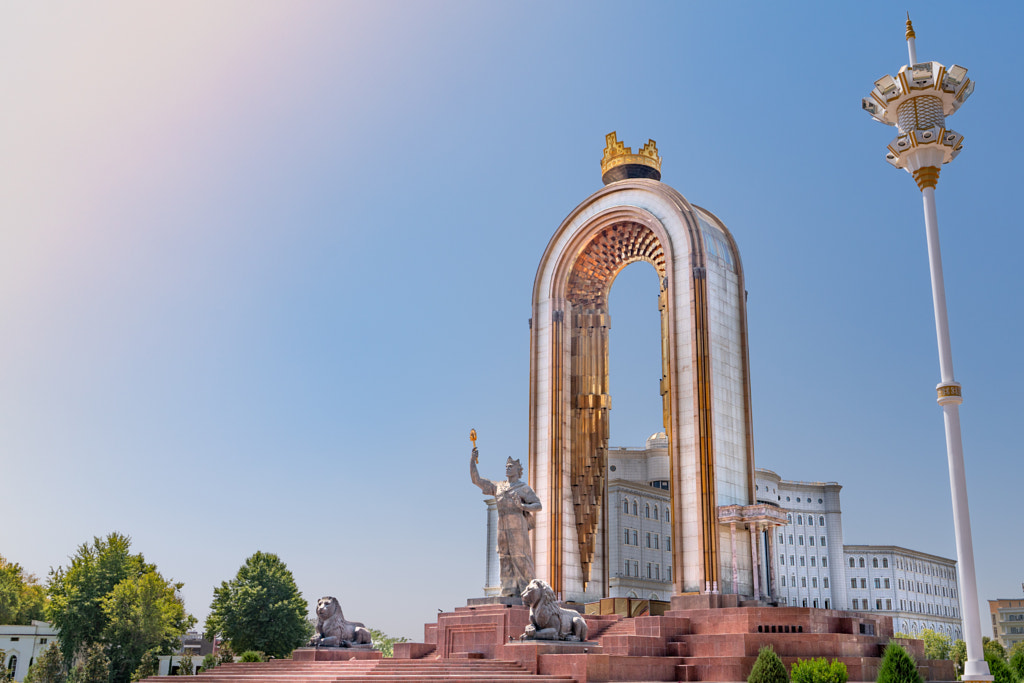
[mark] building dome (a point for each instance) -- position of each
(656, 441)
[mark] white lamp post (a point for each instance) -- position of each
(917, 102)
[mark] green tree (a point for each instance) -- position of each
(149, 666)
(225, 655)
(768, 668)
(936, 645)
(22, 599)
(185, 665)
(384, 642)
(209, 661)
(48, 667)
(998, 667)
(958, 653)
(252, 656)
(260, 609)
(993, 646)
(94, 669)
(1017, 661)
(898, 666)
(143, 613)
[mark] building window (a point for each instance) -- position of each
(666, 515)
(634, 507)
(791, 539)
(810, 520)
(814, 583)
(824, 561)
(782, 559)
(822, 539)
(781, 539)
(824, 583)
(789, 517)
(627, 567)
(900, 583)
(874, 562)
(668, 543)
(799, 519)
(803, 581)
(863, 583)
(855, 603)
(625, 507)
(792, 560)
(804, 602)
(657, 571)
(668, 573)
(888, 605)
(800, 539)
(655, 541)
(635, 541)
(878, 603)
(636, 568)
(852, 563)
(815, 603)
(648, 539)
(812, 560)
(783, 581)
(13, 665)
(853, 584)
(792, 580)
(802, 561)
(878, 583)
(810, 540)
(649, 574)
(655, 511)
(821, 521)
(887, 583)
(862, 562)
(647, 511)
(826, 599)
(885, 562)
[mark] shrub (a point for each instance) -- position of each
(898, 666)
(819, 670)
(48, 667)
(209, 661)
(149, 666)
(185, 665)
(1017, 660)
(225, 655)
(252, 656)
(768, 668)
(998, 667)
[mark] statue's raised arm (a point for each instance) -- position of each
(485, 485)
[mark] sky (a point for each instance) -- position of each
(263, 265)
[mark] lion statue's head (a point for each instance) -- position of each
(538, 593)
(328, 609)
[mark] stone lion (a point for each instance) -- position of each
(548, 621)
(332, 630)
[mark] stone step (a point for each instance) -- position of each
(634, 646)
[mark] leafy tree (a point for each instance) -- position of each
(94, 669)
(819, 670)
(149, 666)
(1017, 660)
(48, 667)
(260, 609)
(993, 646)
(1015, 648)
(768, 668)
(958, 653)
(936, 645)
(998, 667)
(384, 642)
(225, 655)
(22, 599)
(143, 613)
(898, 666)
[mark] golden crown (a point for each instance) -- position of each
(617, 154)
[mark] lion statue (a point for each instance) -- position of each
(333, 631)
(548, 621)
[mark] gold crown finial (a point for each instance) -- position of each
(910, 28)
(617, 154)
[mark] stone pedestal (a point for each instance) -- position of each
(494, 600)
(334, 654)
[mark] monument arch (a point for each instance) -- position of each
(705, 383)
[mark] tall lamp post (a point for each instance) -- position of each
(917, 102)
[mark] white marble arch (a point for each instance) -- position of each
(684, 232)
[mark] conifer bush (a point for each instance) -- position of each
(768, 668)
(819, 670)
(998, 667)
(252, 656)
(898, 666)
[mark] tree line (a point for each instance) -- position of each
(116, 613)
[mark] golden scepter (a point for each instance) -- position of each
(472, 437)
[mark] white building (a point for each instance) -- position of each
(916, 589)
(804, 557)
(22, 644)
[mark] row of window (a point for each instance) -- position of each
(803, 582)
(929, 589)
(864, 583)
(814, 560)
(867, 605)
(874, 562)
(924, 608)
(800, 519)
(653, 570)
(800, 540)
(631, 534)
(922, 568)
(647, 510)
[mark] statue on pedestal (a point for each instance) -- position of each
(548, 621)
(515, 501)
(333, 630)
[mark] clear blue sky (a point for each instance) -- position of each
(263, 265)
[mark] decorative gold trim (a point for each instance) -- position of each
(617, 154)
(910, 28)
(926, 176)
(948, 390)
